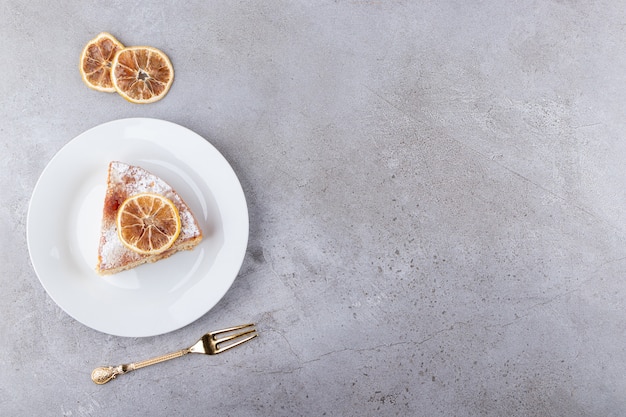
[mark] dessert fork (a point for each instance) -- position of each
(208, 344)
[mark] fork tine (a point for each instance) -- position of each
(230, 329)
(237, 343)
(232, 336)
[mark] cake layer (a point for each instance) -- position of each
(124, 181)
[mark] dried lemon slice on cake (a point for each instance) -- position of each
(96, 59)
(148, 223)
(142, 74)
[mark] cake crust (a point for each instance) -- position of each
(123, 181)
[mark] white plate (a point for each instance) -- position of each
(64, 217)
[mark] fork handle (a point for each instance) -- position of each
(104, 374)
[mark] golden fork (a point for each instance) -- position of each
(208, 344)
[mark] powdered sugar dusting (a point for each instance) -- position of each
(124, 181)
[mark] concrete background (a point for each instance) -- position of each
(437, 201)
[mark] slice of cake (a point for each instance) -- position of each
(125, 181)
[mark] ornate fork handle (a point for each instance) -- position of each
(102, 375)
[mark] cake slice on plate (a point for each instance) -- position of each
(143, 220)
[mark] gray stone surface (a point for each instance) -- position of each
(437, 199)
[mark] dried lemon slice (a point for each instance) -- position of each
(142, 74)
(148, 223)
(96, 59)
